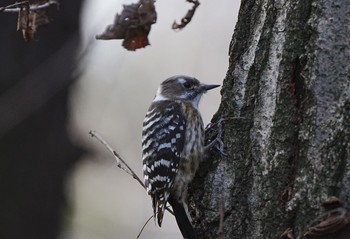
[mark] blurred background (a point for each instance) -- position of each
(51, 169)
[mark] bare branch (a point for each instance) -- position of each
(14, 8)
(10, 8)
(120, 162)
(124, 166)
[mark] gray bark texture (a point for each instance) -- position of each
(285, 125)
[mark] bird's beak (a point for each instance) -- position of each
(205, 87)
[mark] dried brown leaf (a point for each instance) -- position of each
(26, 21)
(30, 17)
(133, 25)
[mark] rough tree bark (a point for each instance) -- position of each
(286, 123)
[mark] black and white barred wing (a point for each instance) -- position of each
(163, 140)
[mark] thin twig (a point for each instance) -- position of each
(9, 8)
(144, 225)
(13, 8)
(120, 162)
(124, 166)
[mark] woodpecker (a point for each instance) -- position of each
(173, 146)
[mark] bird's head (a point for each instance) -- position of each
(182, 88)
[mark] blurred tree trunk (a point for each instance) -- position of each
(35, 150)
(286, 124)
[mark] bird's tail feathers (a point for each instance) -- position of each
(158, 209)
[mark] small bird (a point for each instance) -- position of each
(173, 147)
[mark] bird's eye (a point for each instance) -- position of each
(188, 85)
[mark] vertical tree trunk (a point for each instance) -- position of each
(285, 123)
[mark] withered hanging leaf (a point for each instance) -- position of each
(23, 13)
(133, 25)
(29, 20)
(188, 17)
(25, 21)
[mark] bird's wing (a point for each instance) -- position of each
(163, 139)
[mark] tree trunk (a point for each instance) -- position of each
(285, 125)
